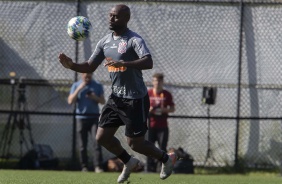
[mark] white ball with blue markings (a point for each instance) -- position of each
(79, 28)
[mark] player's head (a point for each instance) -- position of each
(158, 80)
(119, 17)
(86, 77)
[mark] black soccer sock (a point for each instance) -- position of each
(124, 157)
(164, 157)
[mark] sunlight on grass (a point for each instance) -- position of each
(69, 177)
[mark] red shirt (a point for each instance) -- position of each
(162, 99)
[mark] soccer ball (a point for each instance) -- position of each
(79, 28)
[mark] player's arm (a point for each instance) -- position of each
(143, 63)
(84, 67)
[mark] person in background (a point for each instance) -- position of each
(87, 94)
(161, 104)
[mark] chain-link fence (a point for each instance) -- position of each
(233, 46)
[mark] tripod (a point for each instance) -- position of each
(209, 156)
(17, 119)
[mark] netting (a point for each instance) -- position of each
(224, 44)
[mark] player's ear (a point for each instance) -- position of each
(127, 18)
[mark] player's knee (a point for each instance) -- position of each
(134, 145)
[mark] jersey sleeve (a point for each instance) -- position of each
(98, 54)
(140, 47)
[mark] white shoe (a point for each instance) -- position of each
(98, 170)
(167, 167)
(84, 169)
(131, 165)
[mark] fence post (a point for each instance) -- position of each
(74, 110)
(236, 165)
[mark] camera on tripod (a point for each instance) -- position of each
(21, 90)
(22, 84)
(18, 119)
(209, 95)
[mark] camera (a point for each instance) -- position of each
(209, 95)
(21, 89)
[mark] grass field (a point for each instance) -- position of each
(71, 177)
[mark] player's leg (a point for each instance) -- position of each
(136, 127)
(167, 167)
(142, 146)
(82, 134)
(108, 125)
(105, 137)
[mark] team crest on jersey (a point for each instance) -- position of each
(122, 47)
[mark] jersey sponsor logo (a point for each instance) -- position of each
(115, 69)
(122, 47)
(120, 90)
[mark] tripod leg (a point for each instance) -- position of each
(22, 141)
(5, 134)
(209, 155)
(29, 130)
(24, 123)
(11, 135)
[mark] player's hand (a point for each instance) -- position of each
(65, 60)
(114, 63)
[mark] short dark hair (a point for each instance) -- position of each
(159, 76)
(125, 9)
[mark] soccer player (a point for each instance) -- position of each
(126, 55)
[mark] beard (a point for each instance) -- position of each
(115, 27)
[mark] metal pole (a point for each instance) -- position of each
(236, 165)
(74, 112)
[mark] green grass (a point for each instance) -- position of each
(76, 177)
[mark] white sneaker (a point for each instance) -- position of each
(84, 169)
(131, 165)
(98, 169)
(167, 167)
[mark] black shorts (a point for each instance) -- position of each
(133, 113)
